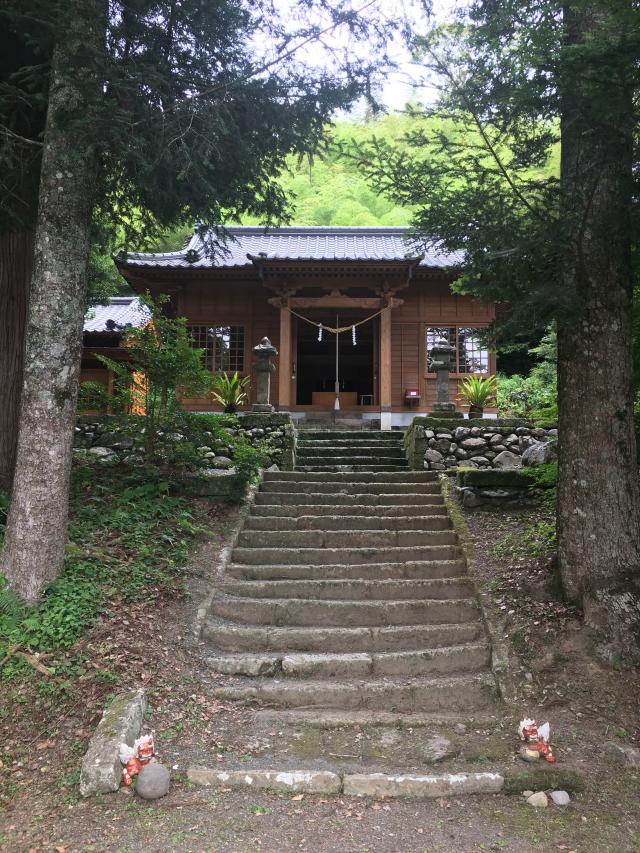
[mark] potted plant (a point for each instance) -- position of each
(477, 391)
(231, 391)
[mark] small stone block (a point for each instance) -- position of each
(421, 787)
(560, 798)
(622, 753)
(538, 800)
(292, 781)
(121, 723)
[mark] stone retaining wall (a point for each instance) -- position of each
(480, 443)
(111, 439)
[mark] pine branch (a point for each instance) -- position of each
(23, 139)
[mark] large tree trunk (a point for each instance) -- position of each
(16, 253)
(598, 497)
(37, 523)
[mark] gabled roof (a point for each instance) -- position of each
(248, 245)
(121, 311)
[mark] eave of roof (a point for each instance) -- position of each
(251, 245)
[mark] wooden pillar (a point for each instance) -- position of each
(284, 362)
(385, 368)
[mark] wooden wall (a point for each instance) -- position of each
(427, 302)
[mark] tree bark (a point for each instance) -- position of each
(37, 524)
(16, 253)
(598, 496)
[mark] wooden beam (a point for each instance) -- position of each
(385, 368)
(329, 301)
(284, 362)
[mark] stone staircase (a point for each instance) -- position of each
(346, 591)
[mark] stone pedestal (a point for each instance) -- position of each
(264, 367)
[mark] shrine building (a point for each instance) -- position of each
(296, 285)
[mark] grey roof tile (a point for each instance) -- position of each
(121, 311)
(312, 243)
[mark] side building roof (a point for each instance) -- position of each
(247, 246)
(122, 311)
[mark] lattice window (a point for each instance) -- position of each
(223, 347)
(471, 356)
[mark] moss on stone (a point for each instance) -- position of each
(542, 777)
(514, 478)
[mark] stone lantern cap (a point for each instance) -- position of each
(265, 349)
(441, 354)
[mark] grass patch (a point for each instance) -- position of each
(537, 539)
(128, 540)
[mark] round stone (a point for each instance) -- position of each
(560, 798)
(153, 782)
(538, 800)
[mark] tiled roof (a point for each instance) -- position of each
(247, 244)
(120, 312)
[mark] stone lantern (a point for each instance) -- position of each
(441, 360)
(264, 367)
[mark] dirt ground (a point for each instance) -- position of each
(45, 725)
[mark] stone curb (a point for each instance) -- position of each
(493, 622)
(289, 781)
(121, 723)
(225, 555)
(351, 784)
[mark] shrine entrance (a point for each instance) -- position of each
(316, 359)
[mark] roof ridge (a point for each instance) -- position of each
(319, 229)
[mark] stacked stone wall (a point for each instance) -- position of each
(489, 443)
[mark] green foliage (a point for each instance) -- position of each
(230, 390)
(161, 361)
(536, 395)
(205, 101)
(478, 390)
(538, 539)
(545, 478)
(93, 396)
(128, 540)
(247, 461)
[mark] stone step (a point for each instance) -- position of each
(348, 522)
(304, 460)
(413, 569)
(381, 449)
(458, 693)
(346, 488)
(353, 477)
(346, 556)
(374, 469)
(351, 499)
(315, 435)
(351, 589)
(326, 613)
(351, 665)
(232, 637)
(302, 539)
(327, 510)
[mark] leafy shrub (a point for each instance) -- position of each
(478, 390)
(545, 478)
(536, 395)
(93, 396)
(230, 391)
(247, 461)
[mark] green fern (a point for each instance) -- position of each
(12, 610)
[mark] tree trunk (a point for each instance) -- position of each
(16, 254)
(37, 524)
(598, 497)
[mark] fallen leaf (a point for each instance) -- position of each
(298, 797)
